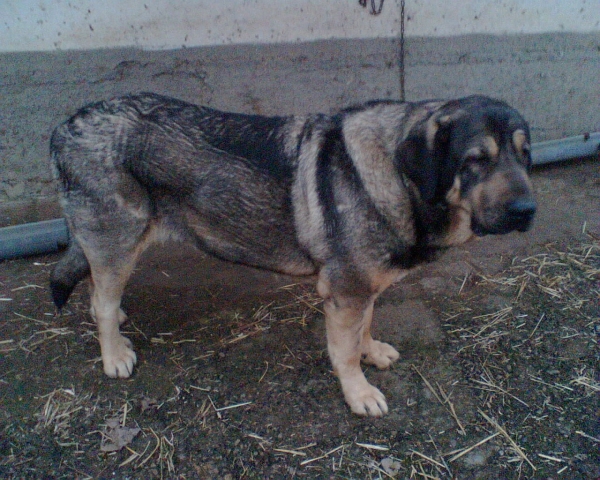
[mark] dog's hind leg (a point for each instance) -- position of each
(118, 357)
(122, 317)
(67, 273)
(113, 229)
(109, 275)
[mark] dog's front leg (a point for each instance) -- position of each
(346, 320)
(374, 352)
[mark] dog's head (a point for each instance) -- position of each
(470, 159)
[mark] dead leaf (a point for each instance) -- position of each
(116, 437)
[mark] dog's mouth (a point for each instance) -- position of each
(516, 216)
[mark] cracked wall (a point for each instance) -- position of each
(551, 78)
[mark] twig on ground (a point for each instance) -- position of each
(505, 434)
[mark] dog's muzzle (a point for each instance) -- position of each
(518, 215)
(521, 213)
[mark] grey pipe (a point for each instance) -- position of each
(566, 148)
(51, 235)
(33, 238)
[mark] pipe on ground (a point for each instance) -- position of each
(33, 238)
(563, 149)
(51, 235)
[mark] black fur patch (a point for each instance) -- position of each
(334, 165)
(72, 269)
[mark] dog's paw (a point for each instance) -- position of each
(118, 357)
(380, 354)
(367, 400)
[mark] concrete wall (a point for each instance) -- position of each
(36, 25)
(551, 77)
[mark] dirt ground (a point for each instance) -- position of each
(498, 376)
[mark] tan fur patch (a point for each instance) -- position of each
(453, 195)
(381, 280)
(293, 131)
(491, 146)
(307, 209)
(474, 152)
(437, 121)
(459, 230)
(431, 131)
(519, 140)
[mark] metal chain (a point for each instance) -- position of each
(401, 53)
(375, 10)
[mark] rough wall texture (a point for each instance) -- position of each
(551, 78)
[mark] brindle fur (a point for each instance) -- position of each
(356, 198)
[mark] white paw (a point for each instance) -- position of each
(118, 356)
(380, 354)
(366, 400)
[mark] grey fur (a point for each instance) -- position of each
(355, 198)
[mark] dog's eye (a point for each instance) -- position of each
(475, 157)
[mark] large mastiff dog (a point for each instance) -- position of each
(355, 198)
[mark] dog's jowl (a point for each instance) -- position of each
(355, 198)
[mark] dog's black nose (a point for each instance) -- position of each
(522, 207)
(521, 212)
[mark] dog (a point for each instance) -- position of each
(356, 198)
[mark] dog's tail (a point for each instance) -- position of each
(67, 273)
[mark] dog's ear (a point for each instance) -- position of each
(424, 155)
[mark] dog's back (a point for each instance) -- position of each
(145, 167)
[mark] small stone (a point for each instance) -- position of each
(475, 459)
(390, 466)
(14, 191)
(433, 283)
